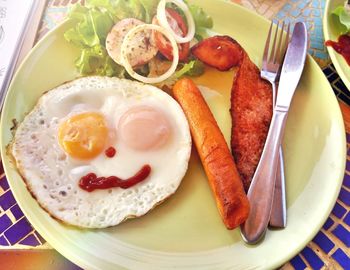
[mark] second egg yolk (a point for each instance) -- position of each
(84, 136)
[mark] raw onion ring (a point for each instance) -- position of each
(125, 51)
(163, 21)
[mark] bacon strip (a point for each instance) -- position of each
(251, 112)
(220, 52)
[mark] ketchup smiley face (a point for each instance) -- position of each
(90, 182)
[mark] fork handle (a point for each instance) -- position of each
(262, 188)
(278, 217)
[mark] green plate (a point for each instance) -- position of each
(186, 232)
(331, 32)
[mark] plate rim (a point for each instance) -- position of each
(83, 263)
(331, 52)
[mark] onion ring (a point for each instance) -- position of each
(163, 21)
(125, 51)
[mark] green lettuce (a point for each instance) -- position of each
(342, 19)
(95, 60)
(201, 19)
(94, 21)
(120, 9)
(193, 68)
(89, 34)
(150, 7)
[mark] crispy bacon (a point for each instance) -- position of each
(220, 52)
(251, 112)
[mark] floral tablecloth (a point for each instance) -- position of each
(330, 249)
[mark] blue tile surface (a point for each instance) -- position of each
(7, 200)
(346, 181)
(4, 184)
(18, 231)
(342, 234)
(5, 222)
(16, 211)
(327, 71)
(303, 4)
(41, 239)
(340, 85)
(333, 77)
(344, 98)
(343, 259)
(317, 45)
(315, 262)
(309, 12)
(344, 196)
(295, 13)
(347, 219)
(298, 263)
(30, 240)
(323, 242)
(287, 7)
(329, 222)
(315, 3)
(3, 241)
(316, 12)
(338, 210)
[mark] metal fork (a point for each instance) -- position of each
(271, 66)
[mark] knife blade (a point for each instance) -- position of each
(292, 67)
(14, 18)
(261, 191)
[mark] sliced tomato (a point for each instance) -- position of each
(178, 24)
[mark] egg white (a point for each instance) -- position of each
(52, 176)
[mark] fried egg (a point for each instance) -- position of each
(66, 135)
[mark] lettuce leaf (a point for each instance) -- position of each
(342, 19)
(96, 60)
(193, 68)
(201, 18)
(97, 17)
(93, 22)
(120, 9)
(150, 7)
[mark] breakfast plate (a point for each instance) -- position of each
(186, 231)
(331, 32)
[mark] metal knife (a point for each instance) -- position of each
(261, 190)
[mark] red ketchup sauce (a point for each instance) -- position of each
(90, 182)
(110, 152)
(342, 46)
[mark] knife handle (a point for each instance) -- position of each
(262, 188)
(278, 218)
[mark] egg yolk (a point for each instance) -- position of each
(144, 128)
(83, 136)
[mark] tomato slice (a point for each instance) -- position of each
(179, 26)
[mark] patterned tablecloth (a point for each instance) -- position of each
(330, 249)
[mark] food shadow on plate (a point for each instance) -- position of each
(184, 222)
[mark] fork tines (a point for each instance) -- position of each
(274, 55)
